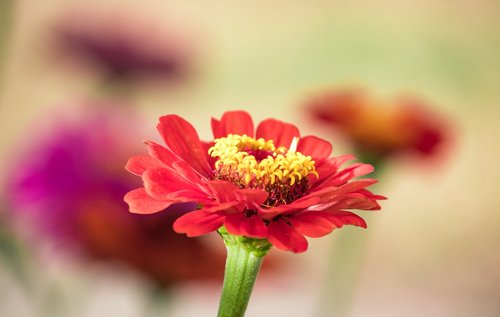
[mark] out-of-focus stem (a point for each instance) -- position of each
(6, 12)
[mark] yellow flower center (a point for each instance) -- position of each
(257, 163)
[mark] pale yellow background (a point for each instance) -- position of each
(433, 249)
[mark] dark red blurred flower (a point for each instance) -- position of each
(269, 183)
(124, 46)
(381, 128)
(69, 185)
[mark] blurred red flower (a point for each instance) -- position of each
(269, 183)
(381, 128)
(69, 186)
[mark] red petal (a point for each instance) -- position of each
(240, 225)
(285, 237)
(229, 207)
(318, 148)
(280, 132)
(357, 201)
(185, 170)
(312, 224)
(183, 140)
(347, 174)
(160, 182)
(198, 222)
(138, 164)
(342, 217)
(140, 202)
(304, 202)
(368, 193)
(361, 169)
(253, 198)
(233, 122)
(296, 206)
(337, 161)
(215, 124)
(223, 190)
(329, 167)
(332, 195)
(188, 195)
(356, 185)
(161, 153)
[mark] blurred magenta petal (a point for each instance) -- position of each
(69, 184)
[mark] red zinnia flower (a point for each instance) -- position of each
(269, 183)
(381, 128)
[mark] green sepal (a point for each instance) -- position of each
(258, 247)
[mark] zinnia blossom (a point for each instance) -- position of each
(265, 183)
(380, 128)
(123, 46)
(68, 186)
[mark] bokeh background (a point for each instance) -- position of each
(431, 251)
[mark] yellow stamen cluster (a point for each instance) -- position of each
(237, 161)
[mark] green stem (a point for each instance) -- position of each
(244, 258)
(6, 19)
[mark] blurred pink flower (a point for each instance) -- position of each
(70, 183)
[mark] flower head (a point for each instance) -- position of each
(251, 163)
(123, 46)
(381, 128)
(268, 183)
(69, 187)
